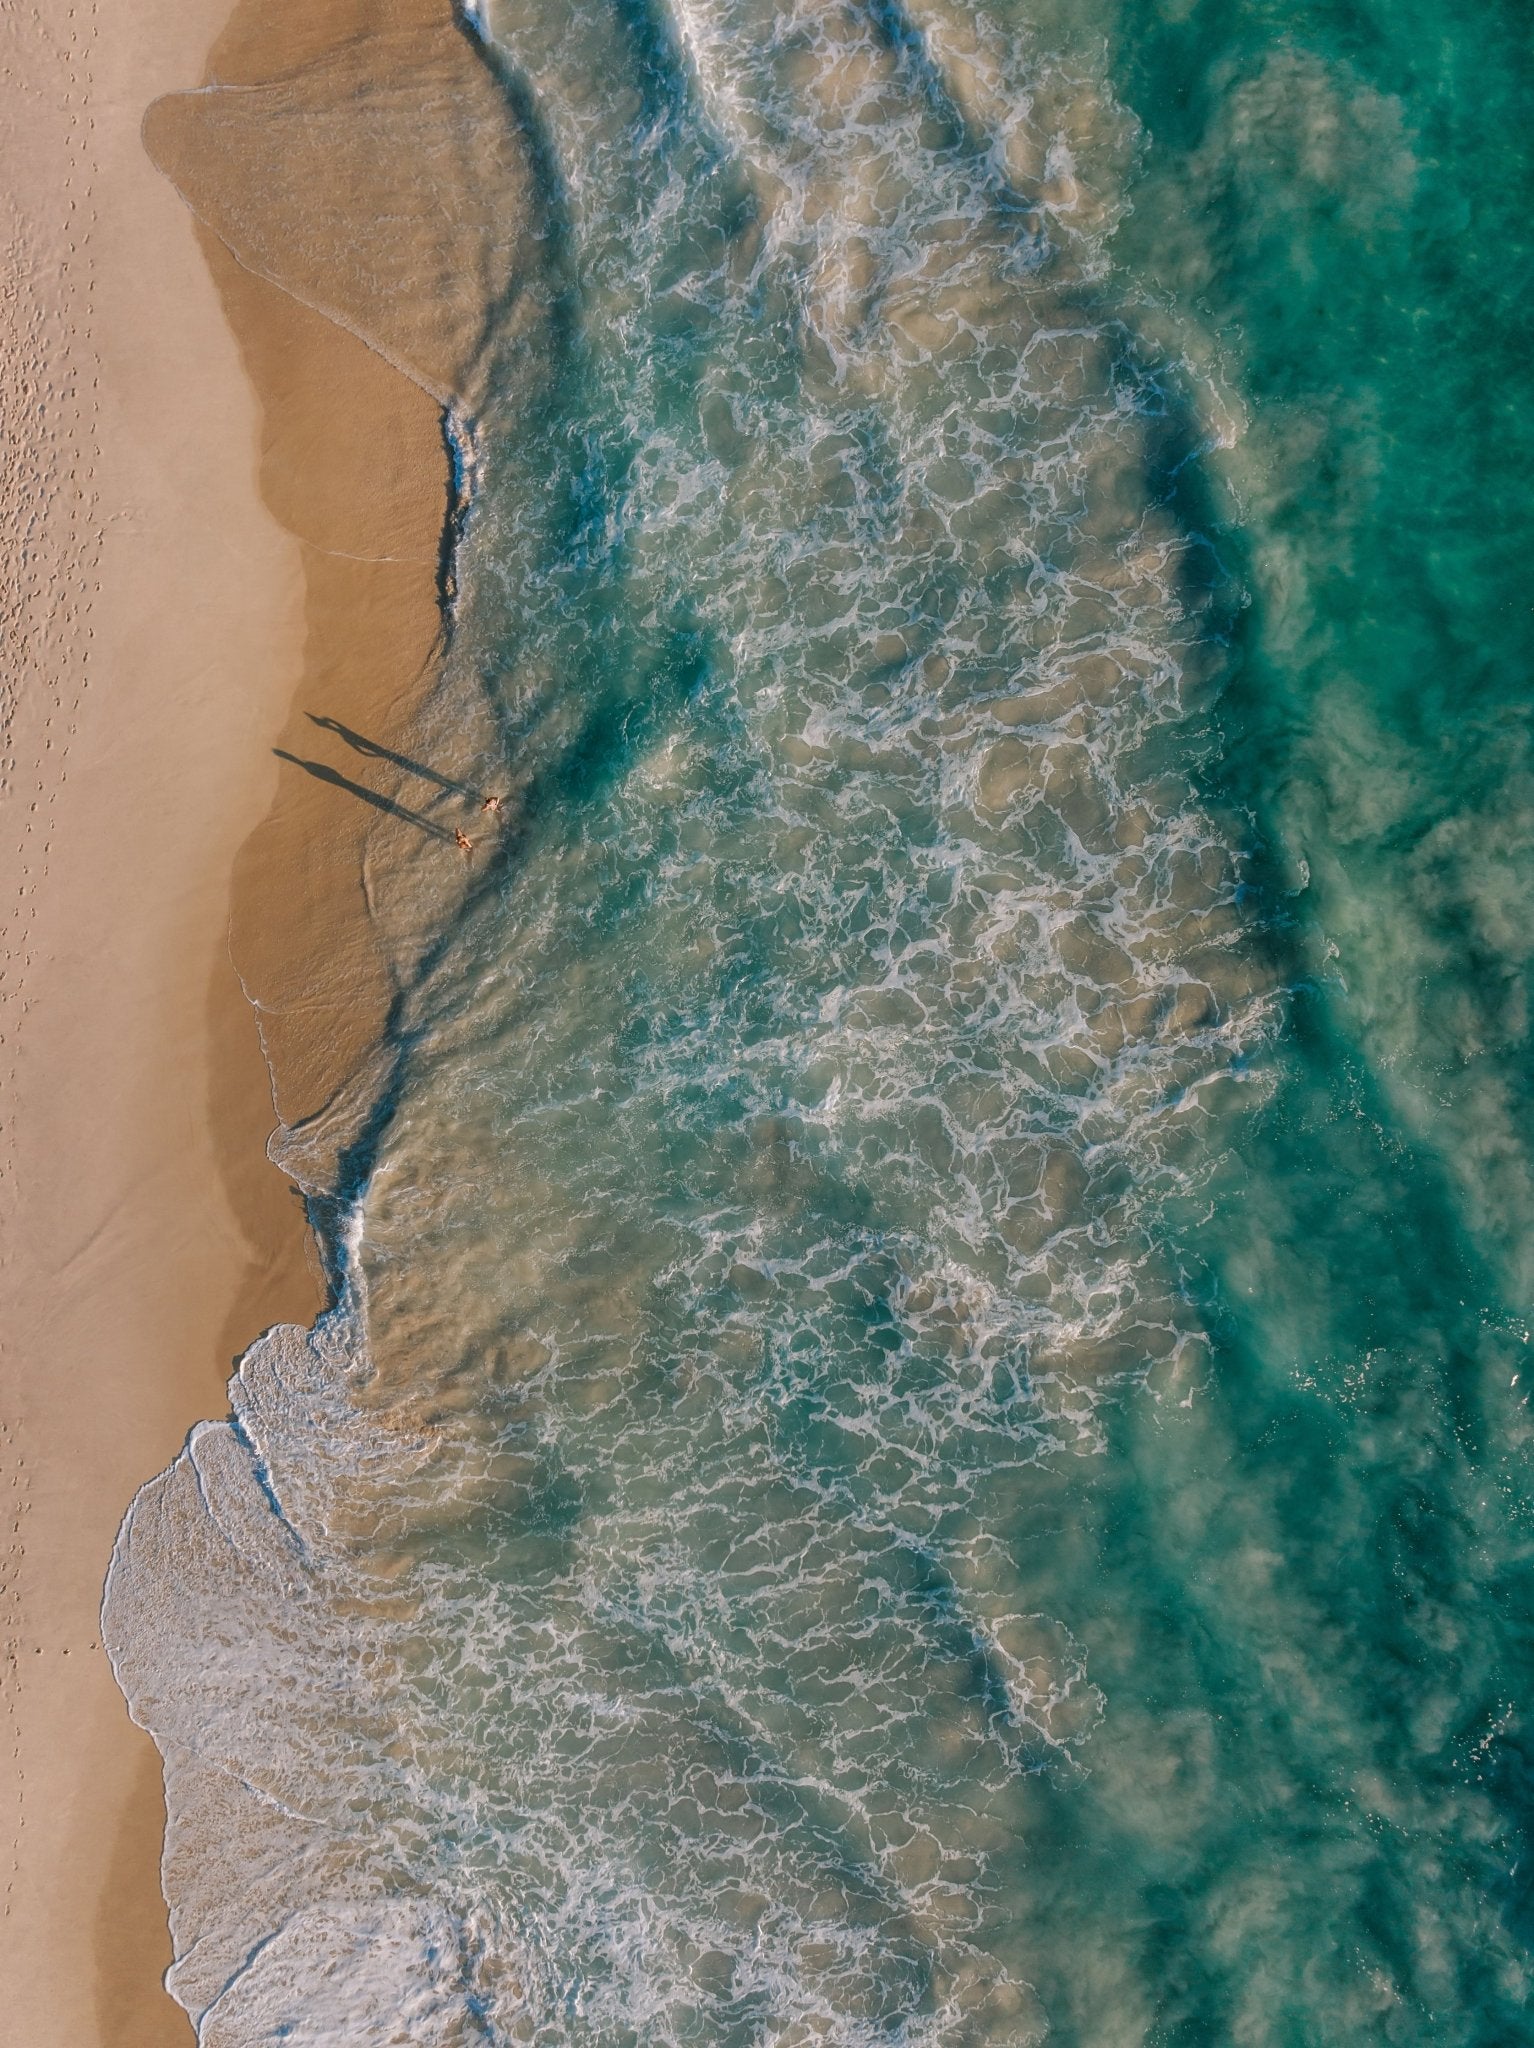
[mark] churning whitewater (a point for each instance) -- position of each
(633, 1614)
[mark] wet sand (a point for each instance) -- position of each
(222, 514)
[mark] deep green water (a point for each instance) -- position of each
(1329, 1560)
(926, 1439)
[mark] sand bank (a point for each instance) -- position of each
(386, 111)
(216, 530)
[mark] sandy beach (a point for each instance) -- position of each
(766, 1104)
(223, 519)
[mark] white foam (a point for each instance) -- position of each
(609, 1624)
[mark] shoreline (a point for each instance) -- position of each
(236, 516)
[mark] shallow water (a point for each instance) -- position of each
(923, 1438)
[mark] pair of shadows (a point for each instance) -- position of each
(361, 744)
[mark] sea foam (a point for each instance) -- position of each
(611, 1623)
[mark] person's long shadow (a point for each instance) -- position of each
(361, 744)
(322, 772)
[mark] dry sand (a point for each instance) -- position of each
(221, 519)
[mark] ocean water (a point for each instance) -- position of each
(923, 1438)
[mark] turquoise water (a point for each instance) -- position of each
(924, 1434)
